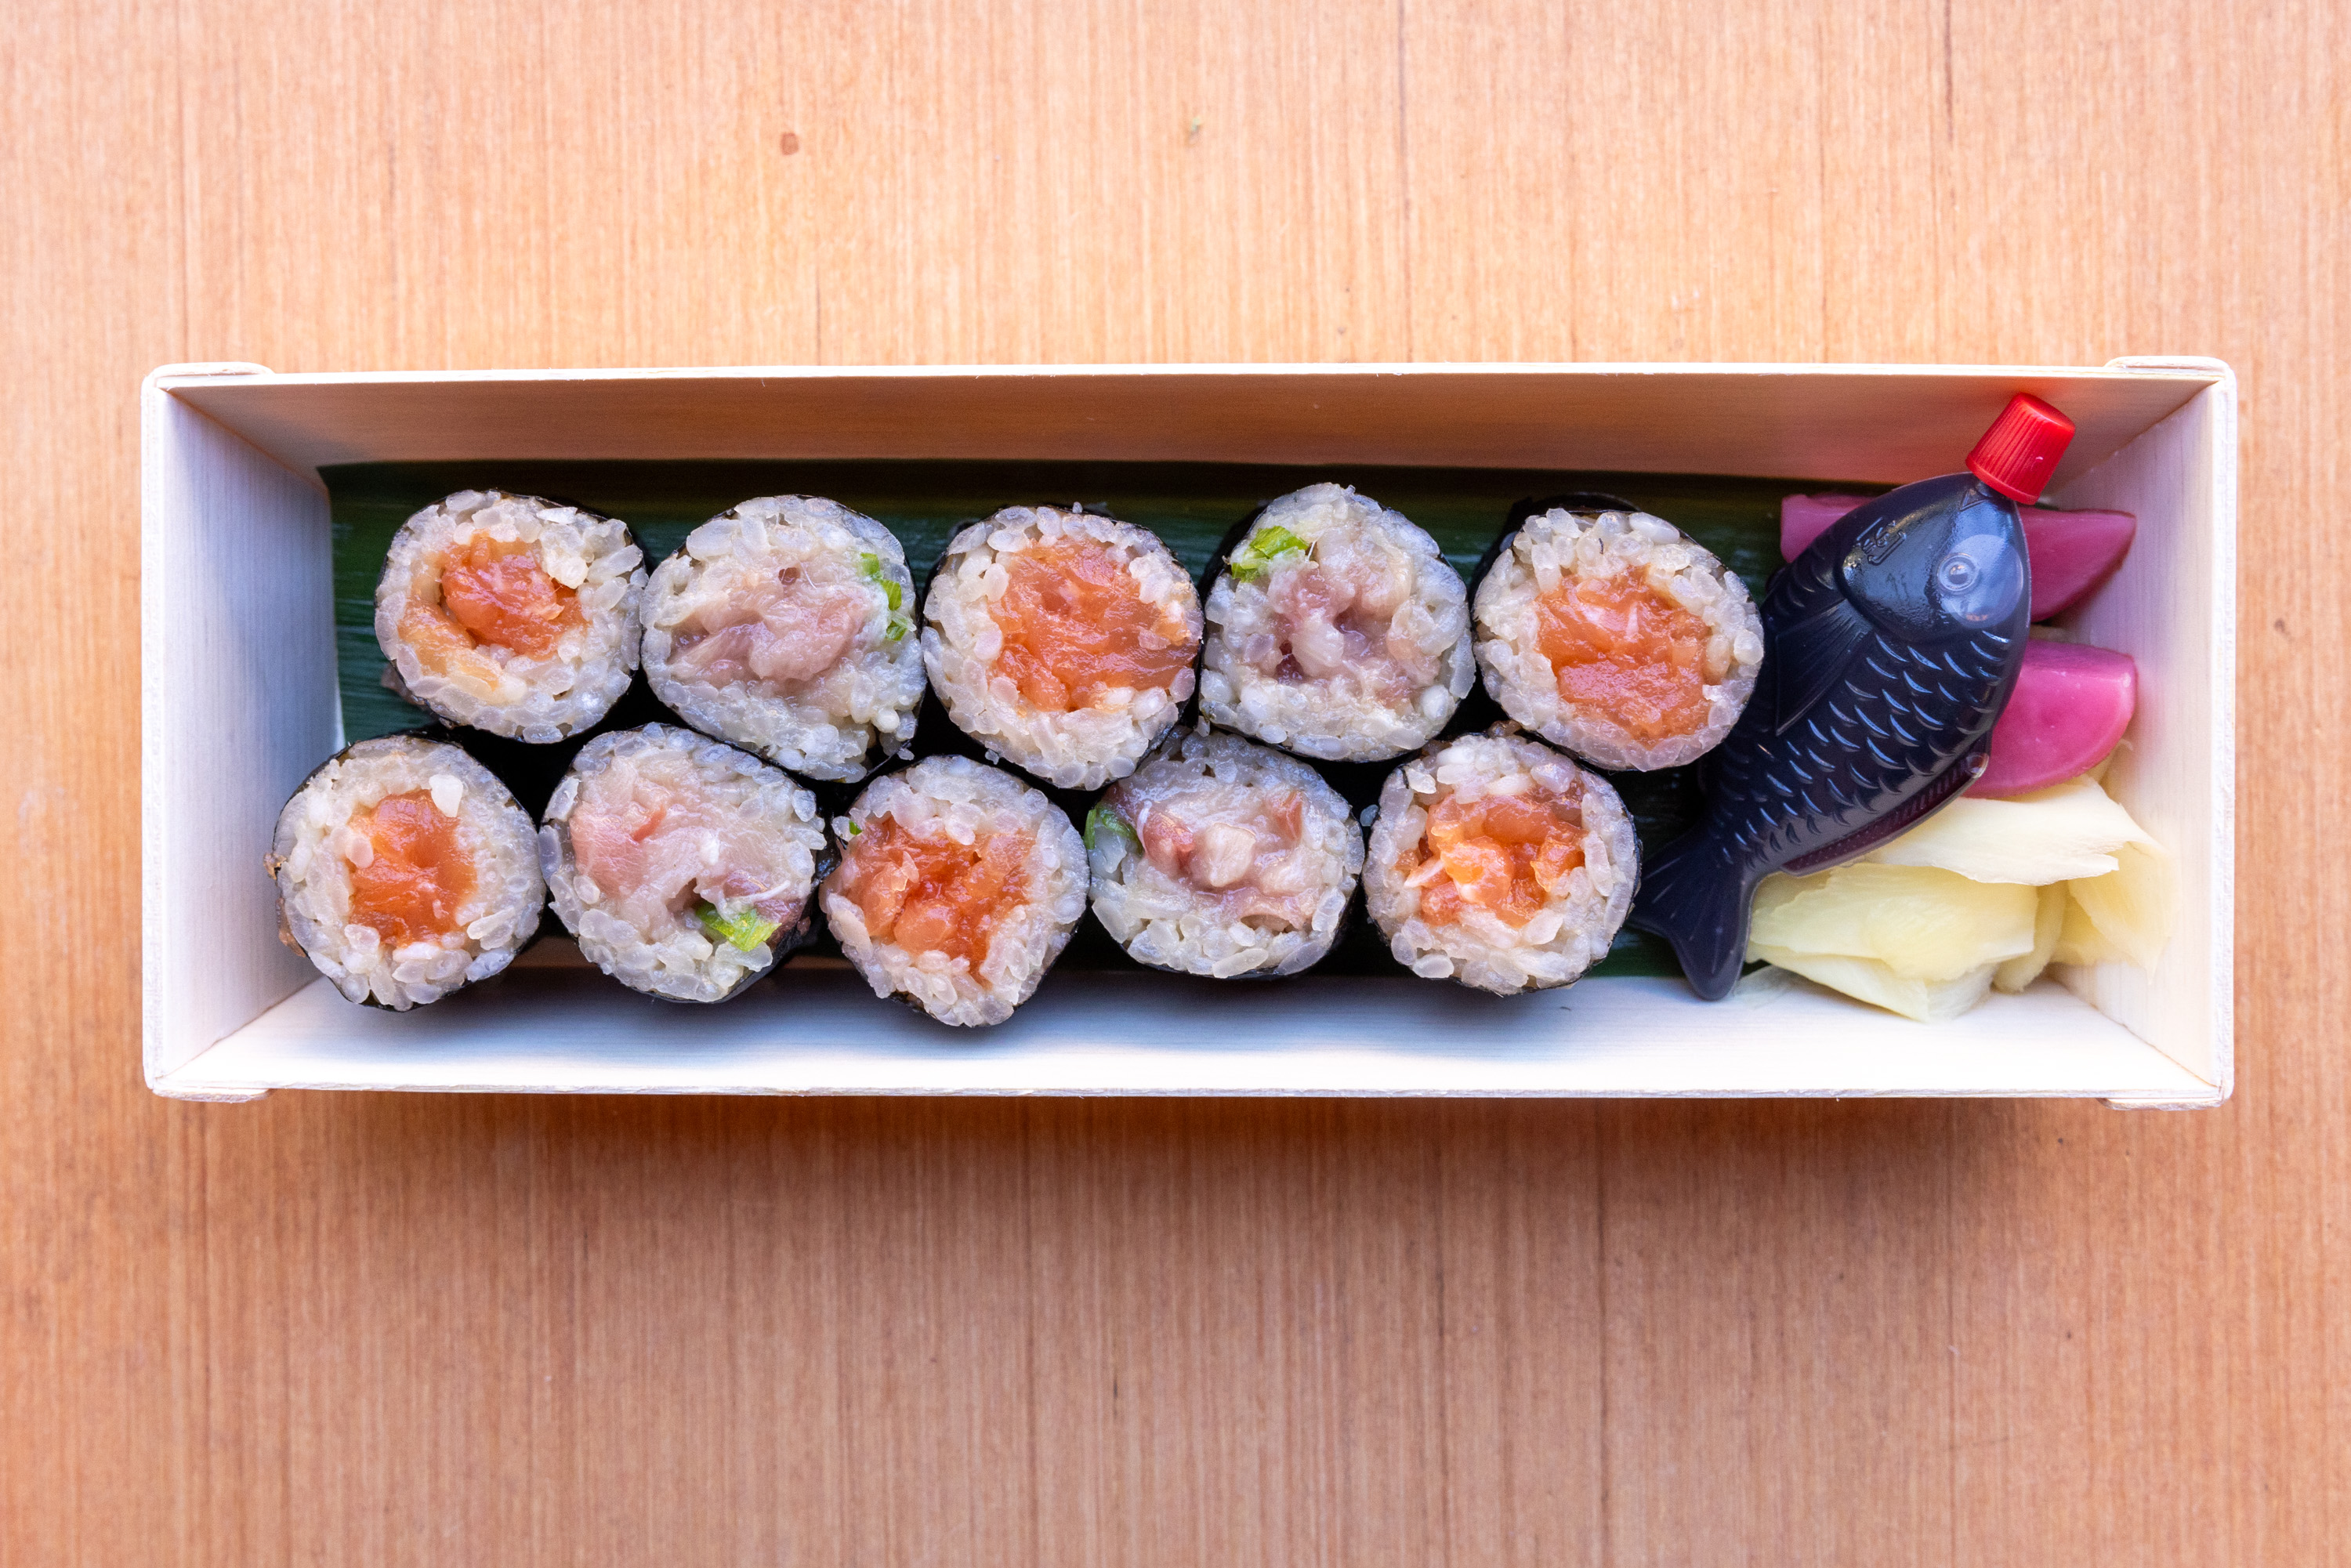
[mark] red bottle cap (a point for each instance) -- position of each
(2021, 450)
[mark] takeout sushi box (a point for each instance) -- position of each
(241, 700)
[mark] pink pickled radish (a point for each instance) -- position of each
(2072, 552)
(2070, 708)
(1803, 519)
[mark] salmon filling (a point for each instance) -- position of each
(1076, 626)
(494, 591)
(416, 877)
(1506, 854)
(931, 894)
(1621, 647)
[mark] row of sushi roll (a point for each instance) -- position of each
(687, 862)
(687, 868)
(1068, 643)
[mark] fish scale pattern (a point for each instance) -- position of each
(1896, 719)
(1897, 722)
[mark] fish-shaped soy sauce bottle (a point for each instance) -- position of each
(1890, 646)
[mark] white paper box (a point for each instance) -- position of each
(239, 698)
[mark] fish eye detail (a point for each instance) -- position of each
(1957, 574)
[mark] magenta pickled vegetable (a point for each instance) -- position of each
(2069, 710)
(1803, 519)
(2072, 552)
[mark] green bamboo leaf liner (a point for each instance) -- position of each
(1191, 506)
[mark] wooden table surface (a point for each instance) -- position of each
(364, 1328)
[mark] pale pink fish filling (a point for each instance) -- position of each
(782, 630)
(1236, 845)
(1337, 611)
(653, 849)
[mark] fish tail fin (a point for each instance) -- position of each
(1697, 899)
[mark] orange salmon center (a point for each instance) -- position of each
(931, 894)
(1507, 854)
(410, 891)
(499, 593)
(1622, 648)
(1075, 625)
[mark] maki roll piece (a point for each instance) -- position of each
(510, 613)
(405, 870)
(1221, 857)
(1616, 636)
(682, 866)
(958, 886)
(1062, 641)
(1499, 862)
(784, 625)
(1336, 630)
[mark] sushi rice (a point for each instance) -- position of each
(1219, 856)
(785, 626)
(1443, 883)
(682, 866)
(1336, 630)
(510, 613)
(1030, 621)
(406, 870)
(1587, 586)
(958, 885)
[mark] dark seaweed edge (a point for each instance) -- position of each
(440, 733)
(1052, 960)
(788, 936)
(585, 727)
(937, 723)
(878, 754)
(1510, 729)
(1351, 919)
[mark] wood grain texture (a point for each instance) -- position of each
(383, 1329)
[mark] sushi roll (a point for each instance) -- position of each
(1062, 641)
(1336, 630)
(510, 613)
(1222, 857)
(682, 866)
(1614, 636)
(958, 886)
(404, 870)
(783, 626)
(1499, 862)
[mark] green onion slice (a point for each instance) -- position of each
(746, 931)
(878, 574)
(1103, 819)
(1264, 547)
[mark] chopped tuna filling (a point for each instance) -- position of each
(927, 894)
(783, 631)
(416, 875)
(1507, 854)
(1236, 845)
(1335, 611)
(1619, 647)
(654, 848)
(1076, 626)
